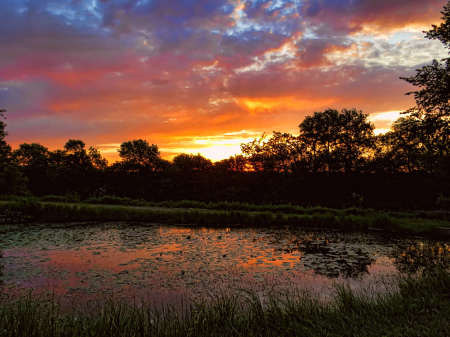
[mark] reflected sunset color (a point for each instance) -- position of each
(165, 262)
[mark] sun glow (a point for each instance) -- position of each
(214, 148)
(384, 120)
(214, 152)
(219, 152)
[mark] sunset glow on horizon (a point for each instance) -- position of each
(203, 76)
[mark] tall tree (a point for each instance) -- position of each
(138, 155)
(432, 98)
(96, 158)
(254, 154)
(5, 149)
(384, 157)
(420, 143)
(12, 180)
(189, 162)
(233, 163)
(320, 134)
(31, 155)
(336, 141)
(76, 157)
(355, 139)
(280, 153)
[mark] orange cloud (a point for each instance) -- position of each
(260, 105)
(172, 81)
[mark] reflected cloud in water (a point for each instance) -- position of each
(165, 262)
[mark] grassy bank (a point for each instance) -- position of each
(223, 206)
(32, 211)
(413, 307)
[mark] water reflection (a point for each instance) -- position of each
(412, 257)
(331, 257)
(167, 261)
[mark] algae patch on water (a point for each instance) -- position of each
(167, 261)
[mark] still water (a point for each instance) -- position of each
(164, 262)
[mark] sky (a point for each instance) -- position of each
(198, 76)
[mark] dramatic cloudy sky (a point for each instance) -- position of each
(202, 75)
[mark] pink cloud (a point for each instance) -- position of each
(163, 72)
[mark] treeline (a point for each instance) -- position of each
(328, 142)
(335, 142)
(340, 167)
(336, 161)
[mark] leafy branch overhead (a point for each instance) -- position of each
(432, 98)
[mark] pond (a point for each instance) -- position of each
(163, 262)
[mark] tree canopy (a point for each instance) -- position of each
(5, 149)
(433, 81)
(336, 141)
(33, 154)
(189, 162)
(138, 155)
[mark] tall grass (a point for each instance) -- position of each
(412, 307)
(222, 206)
(34, 211)
(53, 212)
(226, 206)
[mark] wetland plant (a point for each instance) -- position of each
(347, 219)
(410, 306)
(14, 216)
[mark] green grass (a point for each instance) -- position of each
(223, 206)
(412, 307)
(30, 211)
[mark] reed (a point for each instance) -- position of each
(34, 211)
(413, 306)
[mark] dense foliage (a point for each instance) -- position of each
(433, 81)
(335, 161)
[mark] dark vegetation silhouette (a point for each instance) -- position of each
(335, 160)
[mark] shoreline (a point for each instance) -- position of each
(29, 212)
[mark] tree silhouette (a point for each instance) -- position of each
(405, 143)
(5, 149)
(254, 153)
(189, 162)
(355, 138)
(237, 163)
(280, 153)
(424, 142)
(414, 143)
(138, 155)
(283, 153)
(96, 158)
(31, 155)
(12, 180)
(74, 145)
(336, 142)
(75, 155)
(319, 132)
(385, 158)
(432, 99)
